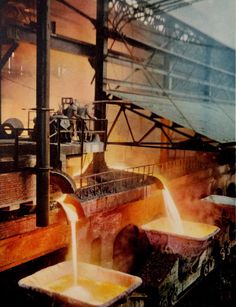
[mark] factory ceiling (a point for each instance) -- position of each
(160, 5)
(168, 67)
(172, 69)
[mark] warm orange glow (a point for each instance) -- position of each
(172, 211)
(76, 167)
(173, 224)
(120, 166)
(190, 229)
(87, 290)
(68, 204)
(69, 208)
(170, 207)
(71, 201)
(96, 286)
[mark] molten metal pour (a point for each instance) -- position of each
(72, 217)
(82, 288)
(172, 212)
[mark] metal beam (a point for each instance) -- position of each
(129, 127)
(190, 142)
(132, 107)
(177, 146)
(152, 46)
(57, 42)
(114, 121)
(66, 44)
(73, 8)
(127, 61)
(0, 85)
(152, 90)
(147, 133)
(8, 54)
(42, 111)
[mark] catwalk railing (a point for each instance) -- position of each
(113, 181)
(118, 180)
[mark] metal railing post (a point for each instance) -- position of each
(16, 151)
(58, 157)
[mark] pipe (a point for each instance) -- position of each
(42, 112)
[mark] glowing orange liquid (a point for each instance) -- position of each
(172, 212)
(80, 288)
(86, 290)
(72, 217)
(190, 229)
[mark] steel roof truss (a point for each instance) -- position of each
(189, 141)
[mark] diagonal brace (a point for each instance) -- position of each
(8, 54)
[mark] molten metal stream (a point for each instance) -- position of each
(72, 217)
(172, 212)
(81, 288)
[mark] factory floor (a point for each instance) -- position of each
(217, 290)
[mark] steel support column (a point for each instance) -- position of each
(101, 51)
(0, 85)
(167, 84)
(100, 67)
(42, 100)
(1, 24)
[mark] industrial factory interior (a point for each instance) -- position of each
(117, 153)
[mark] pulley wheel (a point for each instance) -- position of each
(10, 125)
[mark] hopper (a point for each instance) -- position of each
(96, 286)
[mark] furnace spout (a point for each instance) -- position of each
(71, 202)
(159, 181)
